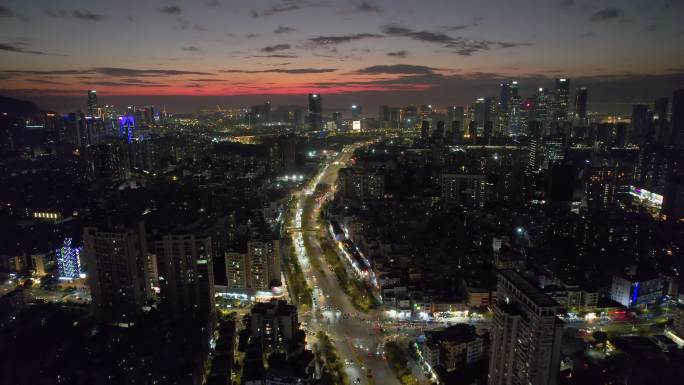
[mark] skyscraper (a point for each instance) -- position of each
(186, 274)
(356, 112)
(525, 334)
(660, 125)
(117, 276)
(315, 112)
(641, 123)
(455, 114)
(581, 107)
(560, 112)
(92, 103)
(678, 119)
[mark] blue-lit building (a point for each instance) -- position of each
(637, 291)
(69, 261)
(127, 127)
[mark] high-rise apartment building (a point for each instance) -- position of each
(116, 272)
(525, 334)
(186, 274)
(259, 269)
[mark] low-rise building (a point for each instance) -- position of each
(453, 348)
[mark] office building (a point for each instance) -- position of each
(562, 93)
(92, 103)
(525, 334)
(315, 112)
(636, 291)
(641, 124)
(455, 114)
(356, 112)
(678, 119)
(186, 274)
(116, 272)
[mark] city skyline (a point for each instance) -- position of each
(190, 55)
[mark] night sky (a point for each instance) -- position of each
(192, 54)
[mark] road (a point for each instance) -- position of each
(356, 336)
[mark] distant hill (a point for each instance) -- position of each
(17, 107)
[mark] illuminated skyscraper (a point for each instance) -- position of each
(560, 110)
(69, 261)
(315, 112)
(92, 103)
(127, 127)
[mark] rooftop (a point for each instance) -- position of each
(527, 288)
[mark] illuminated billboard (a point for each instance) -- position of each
(647, 197)
(356, 125)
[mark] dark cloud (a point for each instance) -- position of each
(187, 24)
(567, 3)
(460, 45)
(425, 36)
(116, 71)
(49, 72)
(652, 27)
(401, 54)
(107, 83)
(252, 35)
(474, 22)
(396, 69)
(76, 14)
(282, 29)
(191, 48)
(206, 80)
(43, 81)
(275, 47)
(395, 29)
(322, 41)
(606, 14)
(87, 15)
(171, 10)
(213, 3)
(368, 6)
(291, 71)
(283, 6)
(19, 48)
(277, 56)
(5, 12)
